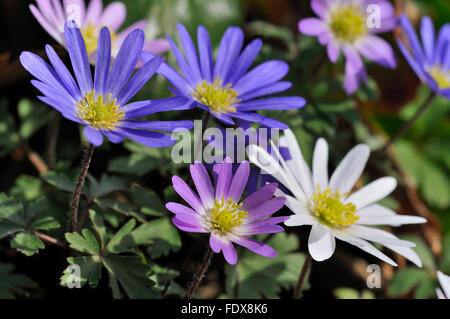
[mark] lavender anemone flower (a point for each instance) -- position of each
(347, 26)
(220, 212)
(52, 15)
(431, 60)
(226, 88)
(102, 105)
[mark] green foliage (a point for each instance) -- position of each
(420, 280)
(23, 221)
(12, 284)
(255, 276)
(350, 293)
(119, 254)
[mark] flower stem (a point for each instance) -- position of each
(408, 124)
(80, 182)
(201, 272)
(301, 279)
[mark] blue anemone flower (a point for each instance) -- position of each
(431, 59)
(226, 88)
(103, 105)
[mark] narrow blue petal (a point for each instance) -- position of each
(78, 56)
(225, 118)
(94, 137)
(415, 64)
(57, 105)
(204, 48)
(185, 69)
(190, 52)
(244, 61)
(273, 103)
(144, 108)
(171, 75)
(139, 79)
(266, 90)
(42, 71)
(257, 118)
(147, 138)
(67, 102)
(114, 137)
(229, 50)
(443, 45)
(262, 75)
(412, 36)
(63, 73)
(427, 35)
(103, 62)
(167, 126)
(126, 61)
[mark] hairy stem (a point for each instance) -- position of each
(201, 272)
(408, 124)
(301, 279)
(78, 187)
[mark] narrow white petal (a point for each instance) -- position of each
(300, 220)
(350, 169)
(440, 294)
(408, 253)
(320, 164)
(321, 243)
(365, 246)
(372, 192)
(377, 235)
(297, 164)
(444, 280)
(268, 164)
(293, 203)
(379, 215)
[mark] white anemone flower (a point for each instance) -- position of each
(328, 204)
(444, 280)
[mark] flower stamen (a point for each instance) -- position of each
(98, 112)
(90, 35)
(330, 210)
(347, 22)
(225, 215)
(441, 76)
(220, 99)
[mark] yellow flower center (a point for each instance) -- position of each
(347, 22)
(98, 112)
(328, 207)
(90, 36)
(225, 215)
(219, 98)
(441, 77)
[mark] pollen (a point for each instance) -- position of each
(99, 112)
(90, 35)
(225, 215)
(347, 23)
(220, 99)
(441, 76)
(330, 210)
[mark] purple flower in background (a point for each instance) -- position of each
(348, 26)
(226, 88)
(220, 212)
(240, 139)
(52, 15)
(103, 105)
(431, 60)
